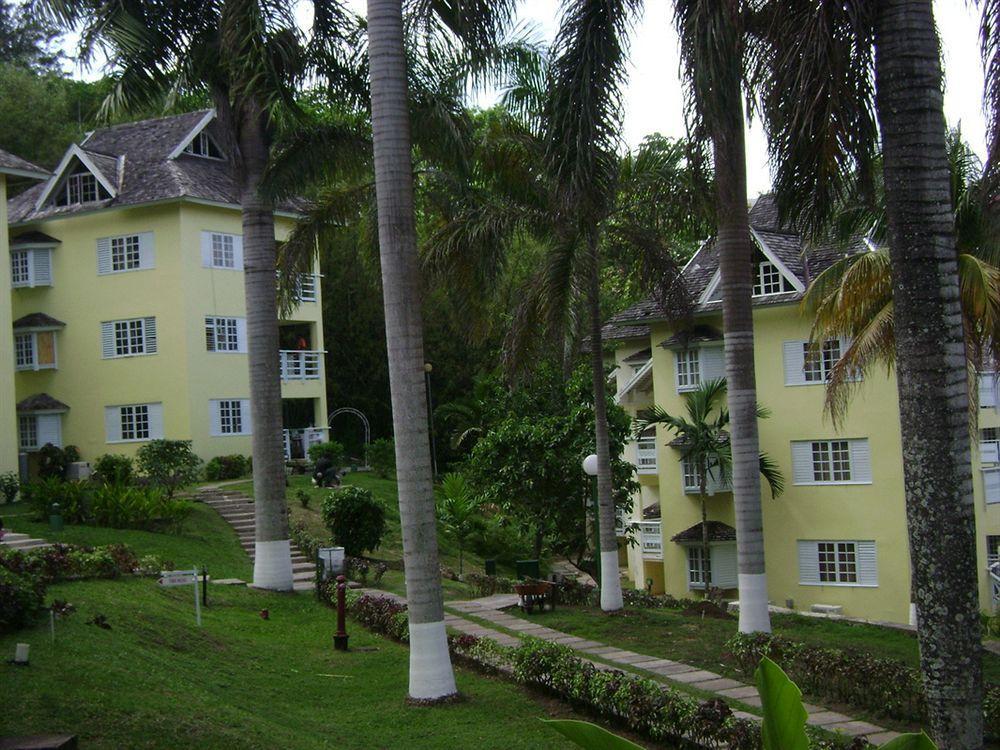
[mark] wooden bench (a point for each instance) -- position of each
(534, 594)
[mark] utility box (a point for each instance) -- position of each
(331, 562)
(78, 470)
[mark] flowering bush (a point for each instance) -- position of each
(21, 598)
(233, 466)
(61, 562)
(382, 615)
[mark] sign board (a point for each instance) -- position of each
(178, 577)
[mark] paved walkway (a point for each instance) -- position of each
(22, 542)
(237, 509)
(672, 673)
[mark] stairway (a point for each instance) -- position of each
(22, 542)
(237, 509)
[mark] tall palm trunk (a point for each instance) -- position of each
(930, 362)
(431, 676)
(611, 585)
(272, 549)
(735, 266)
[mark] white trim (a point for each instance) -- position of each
(431, 675)
(186, 141)
(272, 565)
(24, 173)
(79, 153)
(640, 374)
(713, 284)
(611, 595)
(754, 615)
(792, 278)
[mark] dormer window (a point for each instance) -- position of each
(203, 145)
(80, 187)
(768, 280)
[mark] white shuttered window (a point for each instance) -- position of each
(133, 422)
(831, 461)
(30, 268)
(229, 416)
(225, 334)
(837, 562)
(128, 338)
(991, 485)
(987, 390)
(695, 366)
(220, 250)
(127, 252)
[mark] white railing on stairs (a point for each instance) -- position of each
(994, 571)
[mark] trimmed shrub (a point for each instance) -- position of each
(114, 469)
(233, 466)
(21, 599)
(332, 451)
(168, 464)
(382, 457)
(380, 614)
(116, 506)
(73, 499)
(52, 462)
(62, 562)
(355, 519)
(306, 542)
(10, 485)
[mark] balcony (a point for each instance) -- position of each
(645, 455)
(651, 540)
(305, 288)
(300, 364)
(299, 441)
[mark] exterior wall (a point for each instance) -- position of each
(8, 415)
(179, 292)
(873, 511)
(987, 515)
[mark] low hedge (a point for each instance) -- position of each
(884, 686)
(234, 466)
(21, 599)
(114, 505)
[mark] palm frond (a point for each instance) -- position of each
(772, 475)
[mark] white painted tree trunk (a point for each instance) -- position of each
(431, 675)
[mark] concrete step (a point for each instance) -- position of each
(10, 537)
(26, 544)
(303, 566)
(303, 575)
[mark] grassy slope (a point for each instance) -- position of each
(156, 681)
(699, 641)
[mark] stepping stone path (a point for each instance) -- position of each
(237, 509)
(22, 541)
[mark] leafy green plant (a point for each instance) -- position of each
(112, 468)
(355, 519)
(331, 450)
(458, 511)
(382, 457)
(73, 499)
(122, 507)
(10, 485)
(303, 497)
(21, 598)
(590, 736)
(169, 464)
(52, 462)
(220, 468)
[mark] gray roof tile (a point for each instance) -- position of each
(41, 402)
(10, 163)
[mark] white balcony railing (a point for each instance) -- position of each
(621, 521)
(651, 539)
(645, 455)
(299, 364)
(299, 441)
(305, 289)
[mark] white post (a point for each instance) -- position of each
(197, 601)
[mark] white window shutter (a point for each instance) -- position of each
(147, 257)
(155, 421)
(991, 486)
(987, 390)
(795, 360)
(802, 467)
(245, 416)
(867, 564)
(214, 418)
(206, 249)
(238, 252)
(149, 335)
(989, 452)
(108, 339)
(712, 360)
(209, 334)
(49, 429)
(724, 566)
(241, 335)
(861, 461)
(42, 262)
(808, 562)
(103, 256)
(112, 423)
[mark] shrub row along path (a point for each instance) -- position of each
(672, 673)
(237, 509)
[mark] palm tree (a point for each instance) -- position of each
(703, 439)
(480, 25)
(459, 510)
(247, 56)
(714, 37)
(839, 75)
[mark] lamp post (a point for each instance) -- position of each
(590, 469)
(428, 369)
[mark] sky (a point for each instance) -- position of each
(654, 98)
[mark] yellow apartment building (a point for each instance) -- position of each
(835, 540)
(127, 303)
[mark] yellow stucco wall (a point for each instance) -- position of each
(179, 292)
(8, 415)
(873, 511)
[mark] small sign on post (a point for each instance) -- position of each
(170, 578)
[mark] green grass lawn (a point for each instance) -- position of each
(700, 641)
(154, 680)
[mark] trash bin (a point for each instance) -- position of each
(527, 569)
(491, 566)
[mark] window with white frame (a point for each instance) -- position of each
(987, 390)
(690, 471)
(837, 562)
(80, 187)
(24, 351)
(31, 267)
(128, 338)
(229, 416)
(688, 369)
(991, 485)
(769, 280)
(133, 422)
(37, 430)
(840, 461)
(28, 432)
(818, 362)
(203, 145)
(992, 549)
(20, 267)
(699, 566)
(225, 334)
(989, 445)
(223, 251)
(125, 253)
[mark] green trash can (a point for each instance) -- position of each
(55, 518)
(528, 569)
(491, 566)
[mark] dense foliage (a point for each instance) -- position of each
(21, 598)
(382, 457)
(356, 519)
(233, 466)
(527, 463)
(112, 468)
(168, 464)
(332, 451)
(10, 485)
(117, 506)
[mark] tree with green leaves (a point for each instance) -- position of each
(28, 39)
(703, 437)
(248, 57)
(459, 511)
(844, 82)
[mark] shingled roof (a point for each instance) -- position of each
(784, 244)
(18, 167)
(37, 320)
(143, 162)
(717, 532)
(41, 402)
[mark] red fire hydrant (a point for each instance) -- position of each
(340, 639)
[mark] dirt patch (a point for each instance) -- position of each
(707, 609)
